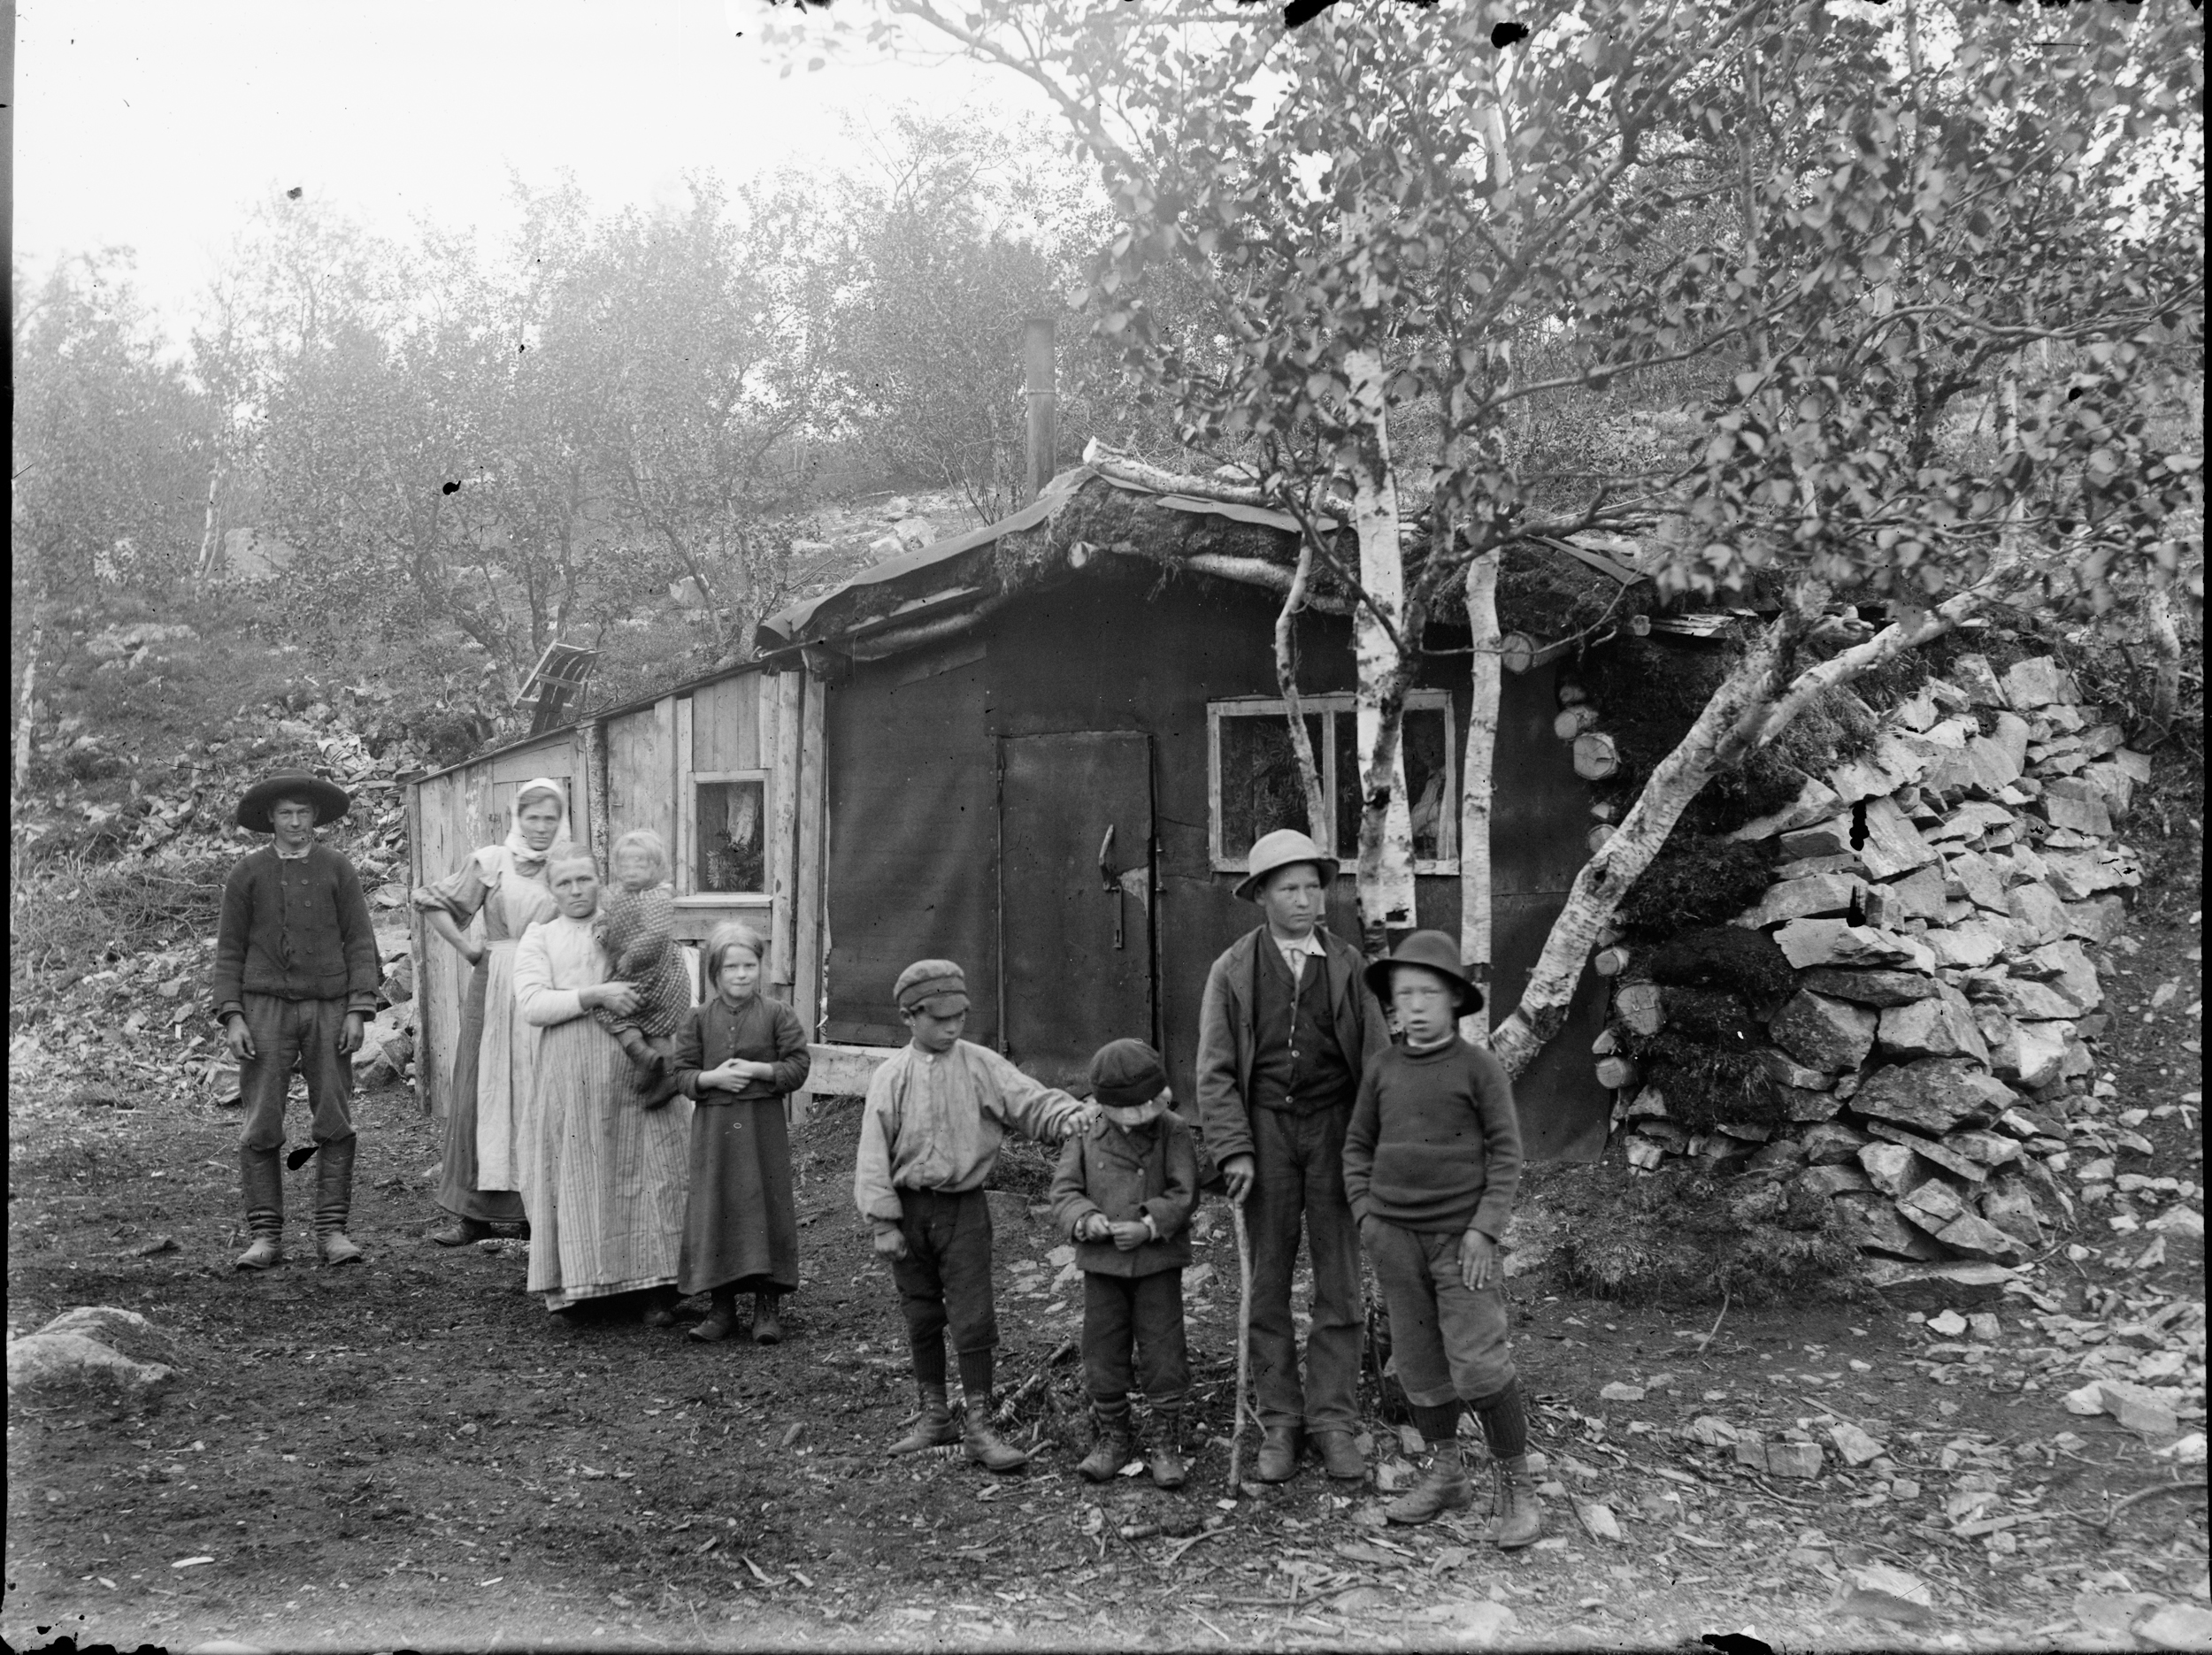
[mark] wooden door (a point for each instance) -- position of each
(1075, 937)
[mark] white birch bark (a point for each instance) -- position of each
(1476, 781)
(1293, 708)
(1386, 849)
(1727, 724)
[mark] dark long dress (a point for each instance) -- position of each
(741, 1230)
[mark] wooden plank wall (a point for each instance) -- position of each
(642, 772)
(809, 944)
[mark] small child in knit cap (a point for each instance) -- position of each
(1124, 1193)
(1432, 1162)
(636, 927)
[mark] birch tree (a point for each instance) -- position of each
(1848, 237)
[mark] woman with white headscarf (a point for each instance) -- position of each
(489, 1129)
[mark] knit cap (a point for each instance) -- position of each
(1126, 1074)
(937, 987)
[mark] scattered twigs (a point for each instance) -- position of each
(2143, 1494)
(1018, 1398)
(1175, 1556)
(1714, 1331)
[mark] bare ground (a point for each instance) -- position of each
(415, 1454)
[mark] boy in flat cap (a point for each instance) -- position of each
(1283, 1033)
(1431, 1160)
(295, 986)
(1124, 1193)
(936, 1113)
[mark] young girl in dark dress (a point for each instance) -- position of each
(737, 1056)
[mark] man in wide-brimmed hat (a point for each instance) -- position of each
(1283, 1032)
(1432, 1162)
(295, 986)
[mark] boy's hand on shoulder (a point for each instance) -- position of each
(1130, 1236)
(1478, 1261)
(1079, 1123)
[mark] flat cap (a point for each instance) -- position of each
(931, 986)
(1127, 1073)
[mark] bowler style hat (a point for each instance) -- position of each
(1432, 950)
(937, 987)
(330, 801)
(1283, 848)
(1126, 1074)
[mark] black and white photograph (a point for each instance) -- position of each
(1106, 824)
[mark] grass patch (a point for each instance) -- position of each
(1705, 1085)
(1024, 1169)
(1701, 881)
(1684, 1237)
(1748, 963)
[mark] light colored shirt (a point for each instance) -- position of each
(301, 854)
(556, 961)
(935, 1122)
(1297, 950)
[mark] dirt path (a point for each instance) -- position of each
(414, 1453)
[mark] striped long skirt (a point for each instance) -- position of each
(607, 1193)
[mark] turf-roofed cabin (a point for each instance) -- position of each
(1042, 748)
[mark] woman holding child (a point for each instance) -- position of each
(488, 1113)
(607, 1186)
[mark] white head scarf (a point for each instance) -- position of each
(530, 862)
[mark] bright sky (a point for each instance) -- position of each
(157, 124)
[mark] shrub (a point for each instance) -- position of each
(1682, 1235)
(1699, 881)
(1706, 1086)
(1745, 962)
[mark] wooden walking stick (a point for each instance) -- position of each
(1244, 1345)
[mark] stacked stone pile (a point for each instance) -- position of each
(1916, 1054)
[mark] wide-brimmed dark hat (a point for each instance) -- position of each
(330, 801)
(1283, 848)
(1432, 950)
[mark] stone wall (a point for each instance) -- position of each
(1938, 900)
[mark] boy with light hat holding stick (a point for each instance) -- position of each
(937, 1111)
(1432, 1162)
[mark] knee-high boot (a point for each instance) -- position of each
(263, 1180)
(334, 1202)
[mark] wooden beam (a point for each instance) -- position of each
(418, 949)
(783, 849)
(807, 891)
(1617, 1074)
(1640, 1005)
(1571, 720)
(1610, 962)
(1595, 755)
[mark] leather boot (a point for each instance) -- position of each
(1444, 1487)
(1112, 1449)
(660, 1308)
(986, 1447)
(935, 1429)
(721, 1321)
(767, 1326)
(263, 1180)
(1279, 1455)
(461, 1231)
(1163, 1456)
(334, 1202)
(1518, 1511)
(1340, 1456)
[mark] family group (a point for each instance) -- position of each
(640, 1140)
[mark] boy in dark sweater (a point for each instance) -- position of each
(1124, 1193)
(294, 987)
(1431, 1160)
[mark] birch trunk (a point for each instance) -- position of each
(23, 719)
(208, 543)
(1476, 783)
(1385, 839)
(1729, 724)
(2165, 640)
(1293, 708)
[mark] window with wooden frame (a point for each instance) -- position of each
(1252, 773)
(727, 845)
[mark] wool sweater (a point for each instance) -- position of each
(1434, 1142)
(296, 928)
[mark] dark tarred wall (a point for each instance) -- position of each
(912, 856)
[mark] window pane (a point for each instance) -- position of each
(1421, 745)
(1260, 789)
(732, 836)
(1423, 741)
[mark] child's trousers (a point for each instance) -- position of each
(1146, 1311)
(944, 1280)
(1448, 1340)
